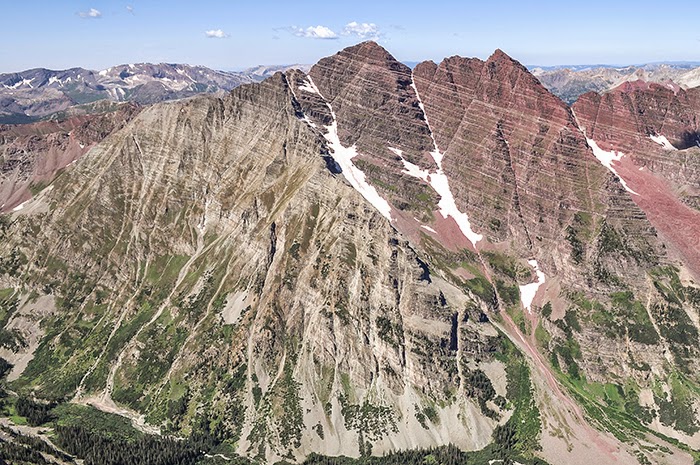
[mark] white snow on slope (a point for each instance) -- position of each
(20, 206)
(436, 154)
(606, 158)
(447, 206)
(343, 157)
(663, 142)
(428, 228)
(23, 82)
(528, 291)
(411, 169)
(309, 87)
(439, 182)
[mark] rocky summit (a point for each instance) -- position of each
(443, 263)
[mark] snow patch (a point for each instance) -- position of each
(439, 182)
(18, 84)
(306, 119)
(436, 154)
(528, 291)
(103, 72)
(662, 141)
(343, 157)
(309, 122)
(606, 158)
(20, 206)
(411, 169)
(53, 79)
(428, 228)
(309, 87)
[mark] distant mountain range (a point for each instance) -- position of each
(569, 82)
(41, 93)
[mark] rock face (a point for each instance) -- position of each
(657, 129)
(31, 155)
(358, 260)
(515, 157)
(628, 116)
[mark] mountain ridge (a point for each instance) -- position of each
(230, 272)
(41, 93)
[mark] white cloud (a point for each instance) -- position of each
(215, 34)
(314, 32)
(362, 30)
(91, 13)
(130, 9)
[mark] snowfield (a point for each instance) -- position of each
(529, 291)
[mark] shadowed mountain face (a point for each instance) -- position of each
(365, 258)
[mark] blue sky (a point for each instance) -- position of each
(99, 33)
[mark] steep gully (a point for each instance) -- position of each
(439, 182)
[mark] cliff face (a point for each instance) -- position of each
(263, 268)
(513, 153)
(357, 260)
(654, 130)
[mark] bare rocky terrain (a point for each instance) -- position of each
(365, 258)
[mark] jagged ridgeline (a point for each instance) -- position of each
(354, 261)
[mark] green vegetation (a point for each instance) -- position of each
(445, 455)
(389, 332)
(507, 266)
(519, 436)
(673, 322)
(635, 317)
(97, 449)
(11, 263)
(509, 293)
(479, 387)
(10, 339)
(677, 409)
(577, 234)
(291, 416)
(371, 421)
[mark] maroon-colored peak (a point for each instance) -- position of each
(641, 85)
(425, 69)
(501, 58)
(369, 50)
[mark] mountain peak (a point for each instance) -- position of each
(368, 51)
(500, 57)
